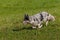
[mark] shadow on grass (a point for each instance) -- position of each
(30, 28)
(24, 28)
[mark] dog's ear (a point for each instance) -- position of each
(26, 17)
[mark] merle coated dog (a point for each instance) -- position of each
(37, 19)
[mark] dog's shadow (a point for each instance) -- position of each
(28, 28)
(23, 28)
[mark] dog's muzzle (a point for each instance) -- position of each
(25, 22)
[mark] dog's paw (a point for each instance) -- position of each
(40, 26)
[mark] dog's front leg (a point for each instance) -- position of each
(33, 27)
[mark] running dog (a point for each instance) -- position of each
(37, 19)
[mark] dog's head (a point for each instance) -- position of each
(26, 19)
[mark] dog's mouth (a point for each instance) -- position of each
(26, 22)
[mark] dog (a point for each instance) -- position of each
(37, 19)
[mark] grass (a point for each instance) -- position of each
(11, 17)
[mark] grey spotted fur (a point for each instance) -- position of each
(37, 19)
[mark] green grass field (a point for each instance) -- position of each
(11, 17)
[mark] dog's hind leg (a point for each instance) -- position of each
(46, 23)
